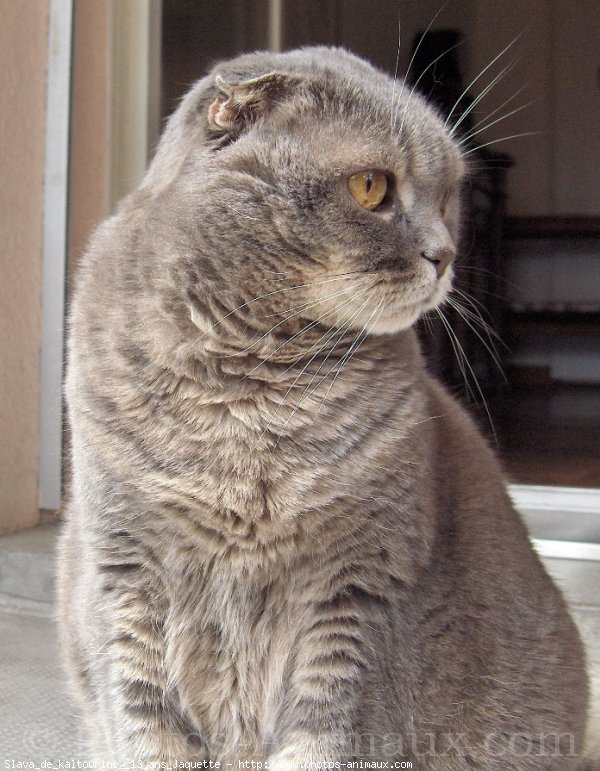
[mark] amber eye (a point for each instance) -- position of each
(368, 188)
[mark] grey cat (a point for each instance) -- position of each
(286, 542)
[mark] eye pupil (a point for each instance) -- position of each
(368, 188)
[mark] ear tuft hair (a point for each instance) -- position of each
(238, 105)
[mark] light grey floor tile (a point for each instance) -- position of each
(37, 720)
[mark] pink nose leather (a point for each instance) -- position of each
(440, 260)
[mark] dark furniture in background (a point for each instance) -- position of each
(569, 316)
(471, 362)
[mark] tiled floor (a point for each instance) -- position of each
(37, 718)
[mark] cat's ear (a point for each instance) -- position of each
(238, 105)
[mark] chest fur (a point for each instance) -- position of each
(230, 651)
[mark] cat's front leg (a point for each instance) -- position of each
(139, 710)
(330, 664)
(149, 728)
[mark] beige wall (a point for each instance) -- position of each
(23, 44)
(115, 108)
(90, 123)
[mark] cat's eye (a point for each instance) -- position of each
(368, 188)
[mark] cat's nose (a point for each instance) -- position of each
(440, 259)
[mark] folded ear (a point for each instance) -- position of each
(241, 104)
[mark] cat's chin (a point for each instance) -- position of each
(398, 318)
(391, 325)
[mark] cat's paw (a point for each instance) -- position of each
(305, 756)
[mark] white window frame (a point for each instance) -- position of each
(55, 249)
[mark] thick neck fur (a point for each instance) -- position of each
(252, 442)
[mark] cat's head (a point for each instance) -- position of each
(314, 182)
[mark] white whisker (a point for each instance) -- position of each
(303, 307)
(417, 83)
(410, 64)
(483, 71)
(502, 139)
(494, 82)
(306, 328)
(392, 118)
(465, 361)
(330, 334)
(348, 355)
(270, 294)
(464, 314)
(476, 314)
(306, 393)
(497, 109)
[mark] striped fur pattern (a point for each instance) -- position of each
(285, 541)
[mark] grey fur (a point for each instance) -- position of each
(285, 541)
